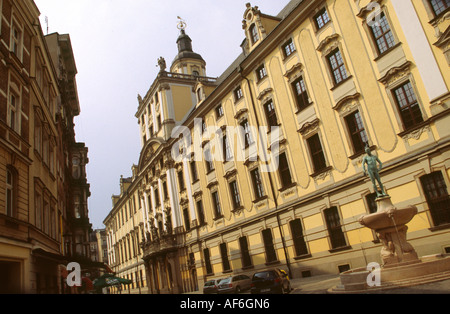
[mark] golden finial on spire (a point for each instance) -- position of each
(181, 24)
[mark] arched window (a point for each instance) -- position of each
(254, 34)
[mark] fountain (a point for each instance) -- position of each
(401, 264)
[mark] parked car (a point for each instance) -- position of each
(235, 284)
(271, 282)
(211, 286)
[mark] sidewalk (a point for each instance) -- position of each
(321, 284)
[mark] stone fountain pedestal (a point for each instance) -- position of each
(401, 264)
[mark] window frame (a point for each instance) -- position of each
(282, 171)
(302, 100)
(235, 195)
(269, 246)
(375, 38)
(407, 127)
(433, 8)
(334, 226)
(216, 205)
(257, 183)
(254, 34)
(356, 133)
(261, 73)
(288, 48)
(340, 68)
(298, 237)
(317, 168)
(271, 114)
(320, 14)
(439, 216)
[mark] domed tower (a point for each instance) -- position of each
(187, 61)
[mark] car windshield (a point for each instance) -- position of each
(263, 275)
(226, 280)
(209, 283)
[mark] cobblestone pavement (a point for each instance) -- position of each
(321, 284)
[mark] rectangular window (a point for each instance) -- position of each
(194, 173)
(219, 111)
(337, 66)
(382, 34)
(248, 140)
(235, 197)
(322, 18)
(38, 209)
(261, 72)
(16, 41)
(9, 193)
(440, 6)
(257, 183)
(357, 131)
(271, 255)
(300, 93)
(245, 252)
(226, 149)
(209, 161)
(165, 190)
(317, 154)
(437, 197)
(216, 205)
(408, 105)
(288, 48)
(371, 202)
(201, 213)
(181, 180)
(14, 112)
(207, 257)
(271, 114)
(187, 220)
(157, 200)
(283, 170)
(334, 226)
(298, 237)
(238, 94)
(224, 255)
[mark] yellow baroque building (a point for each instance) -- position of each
(262, 166)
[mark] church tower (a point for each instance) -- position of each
(187, 61)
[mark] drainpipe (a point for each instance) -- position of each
(288, 264)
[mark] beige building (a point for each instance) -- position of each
(262, 167)
(44, 220)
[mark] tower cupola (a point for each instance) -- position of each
(187, 61)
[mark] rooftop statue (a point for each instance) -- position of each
(372, 167)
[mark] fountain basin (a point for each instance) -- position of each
(387, 219)
(425, 270)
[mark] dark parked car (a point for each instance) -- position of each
(211, 286)
(271, 282)
(234, 284)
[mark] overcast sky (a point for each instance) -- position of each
(116, 45)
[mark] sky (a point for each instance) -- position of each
(116, 45)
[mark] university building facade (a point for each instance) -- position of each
(313, 87)
(44, 221)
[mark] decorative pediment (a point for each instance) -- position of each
(328, 44)
(396, 73)
(309, 127)
(264, 93)
(347, 103)
(365, 11)
(294, 69)
(240, 113)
